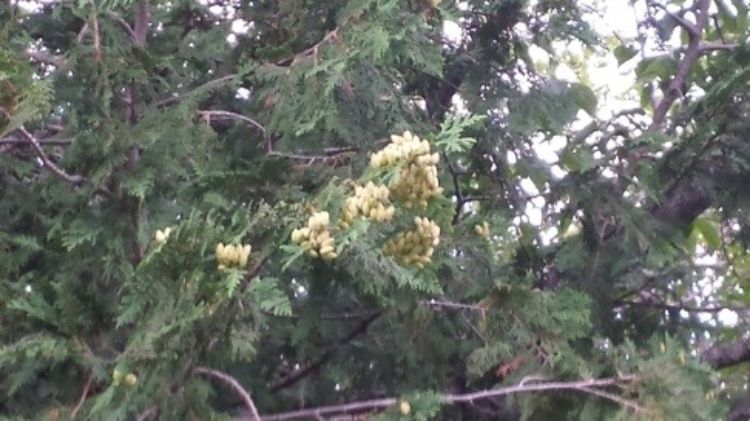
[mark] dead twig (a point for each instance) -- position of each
(235, 386)
(39, 151)
(591, 386)
(82, 399)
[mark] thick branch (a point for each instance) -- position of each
(725, 355)
(584, 386)
(140, 27)
(235, 386)
(692, 53)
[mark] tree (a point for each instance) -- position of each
(296, 209)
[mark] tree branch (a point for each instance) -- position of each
(692, 53)
(584, 386)
(39, 151)
(82, 399)
(725, 355)
(58, 142)
(208, 114)
(305, 371)
(140, 26)
(235, 386)
(124, 24)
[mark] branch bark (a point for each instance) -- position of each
(39, 151)
(675, 90)
(725, 355)
(592, 386)
(235, 386)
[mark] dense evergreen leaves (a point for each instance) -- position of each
(184, 231)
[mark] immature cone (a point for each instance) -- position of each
(130, 380)
(415, 247)
(117, 376)
(232, 255)
(370, 202)
(417, 182)
(315, 237)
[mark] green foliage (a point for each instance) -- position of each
(547, 271)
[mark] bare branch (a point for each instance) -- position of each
(692, 53)
(708, 47)
(725, 355)
(235, 386)
(59, 142)
(97, 37)
(142, 18)
(208, 114)
(123, 23)
(679, 18)
(313, 50)
(82, 399)
(591, 387)
(39, 151)
(453, 305)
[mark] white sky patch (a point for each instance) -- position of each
(240, 27)
(452, 32)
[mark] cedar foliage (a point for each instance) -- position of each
(148, 118)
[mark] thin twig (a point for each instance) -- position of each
(82, 399)
(208, 114)
(235, 386)
(148, 413)
(313, 50)
(58, 142)
(70, 178)
(685, 307)
(453, 305)
(584, 386)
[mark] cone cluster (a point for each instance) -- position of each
(232, 255)
(370, 202)
(418, 182)
(315, 237)
(415, 247)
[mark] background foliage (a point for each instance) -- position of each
(609, 283)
